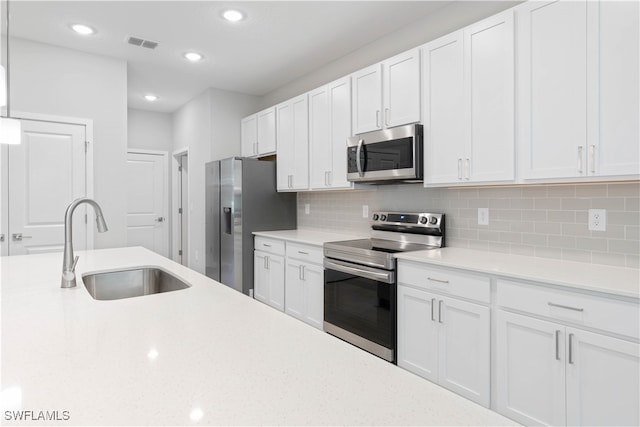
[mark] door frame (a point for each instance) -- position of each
(165, 184)
(4, 170)
(176, 223)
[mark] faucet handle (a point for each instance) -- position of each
(75, 261)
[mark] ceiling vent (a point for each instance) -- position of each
(137, 41)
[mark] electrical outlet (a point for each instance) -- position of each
(365, 211)
(307, 208)
(597, 219)
(483, 216)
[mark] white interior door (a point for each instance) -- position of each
(147, 196)
(47, 171)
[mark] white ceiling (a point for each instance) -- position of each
(278, 42)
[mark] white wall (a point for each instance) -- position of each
(56, 81)
(227, 108)
(150, 130)
(450, 18)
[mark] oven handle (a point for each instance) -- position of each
(361, 271)
(358, 164)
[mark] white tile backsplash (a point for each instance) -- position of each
(548, 221)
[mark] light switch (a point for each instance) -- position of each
(483, 216)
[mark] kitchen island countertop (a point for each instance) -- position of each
(206, 355)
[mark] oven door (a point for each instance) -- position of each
(390, 154)
(360, 306)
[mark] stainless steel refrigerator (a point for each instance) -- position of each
(241, 198)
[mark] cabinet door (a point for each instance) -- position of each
(530, 361)
(313, 278)
(340, 117)
(319, 137)
(443, 109)
(249, 136)
(401, 85)
(418, 332)
(614, 66)
(294, 290)
(463, 349)
(275, 265)
(489, 100)
(603, 376)
(286, 158)
(300, 132)
(267, 131)
(367, 99)
(260, 277)
(552, 75)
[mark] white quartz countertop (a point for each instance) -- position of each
(308, 236)
(611, 280)
(206, 355)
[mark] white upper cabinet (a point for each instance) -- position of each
(292, 127)
(468, 80)
(329, 127)
(578, 89)
(249, 136)
(387, 94)
(258, 134)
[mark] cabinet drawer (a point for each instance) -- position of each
(307, 253)
(272, 246)
(451, 282)
(617, 316)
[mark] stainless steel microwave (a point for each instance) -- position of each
(386, 155)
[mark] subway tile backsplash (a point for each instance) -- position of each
(548, 221)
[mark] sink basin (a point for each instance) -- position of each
(131, 283)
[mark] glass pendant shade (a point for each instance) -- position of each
(9, 131)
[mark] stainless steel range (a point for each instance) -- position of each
(360, 278)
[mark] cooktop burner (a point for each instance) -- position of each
(382, 245)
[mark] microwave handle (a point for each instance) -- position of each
(358, 164)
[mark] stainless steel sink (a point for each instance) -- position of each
(131, 283)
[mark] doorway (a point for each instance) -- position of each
(40, 177)
(147, 200)
(180, 207)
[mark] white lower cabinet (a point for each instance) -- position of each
(551, 371)
(442, 338)
(304, 294)
(268, 279)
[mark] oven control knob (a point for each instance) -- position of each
(433, 220)
(423, 220)
(375, 217)
(383, 217)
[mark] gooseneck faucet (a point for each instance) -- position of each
(69, 262)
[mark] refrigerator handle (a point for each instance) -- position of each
(227, 220)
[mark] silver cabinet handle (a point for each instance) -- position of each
(301, 272)
(377, 118)
(361, 271)
(1, 237)
(467, 168)
(433, 303)
(557, 345)
(303, 253)
(17, 237)
(571, 349)
(386, 117)
(266, 245)
(459, 168)
(159, 219)
(592, 158)
(358, 164)
(440, 311)
(438, 280)
(330, 178)
(565, 307)
(580, 148)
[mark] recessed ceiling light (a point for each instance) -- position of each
(193, 56)
(150, 97)
(233, 15)
(82, 29)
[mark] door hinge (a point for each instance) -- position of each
(86, 146)
(180, 252)
(180, 211)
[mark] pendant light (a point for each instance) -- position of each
(9, 128)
